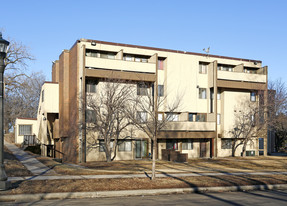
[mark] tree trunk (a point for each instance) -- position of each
(108, 155)
(153, 161)
(244, 149)
(233, 148)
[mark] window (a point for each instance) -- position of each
(160, 64)
(107, 55)
(171, 144)
(102, 145)
(142, 89)
(160, 116)
(125, 145)
(187, 144)
(160, 90)
(91, 86)
(218, 94)
(228, 68)
(203, 68)
(90, 116)
(202, 93)
(218, 119)
(43, 96)
(200, 118)
(226, 144)
(174, 117)
(142, 116)
(190, 116)
(261, 143)
(25, 130)
(91, 53)
(128, 58)
(252, 96)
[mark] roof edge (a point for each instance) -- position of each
(167, 50)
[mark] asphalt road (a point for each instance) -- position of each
(227, 198)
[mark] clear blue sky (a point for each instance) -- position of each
(253, 29)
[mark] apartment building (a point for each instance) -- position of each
(212, 88)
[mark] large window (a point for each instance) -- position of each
(125, 145)
(226, 144)
(142, 89)
(102, 145)
(174, 117)
(197, 117)
(187, 144)
(90, 116)
(202, 93)
(171, 144)
(203, 68)
(25, 130)
(261, 143)
(160, 90)
(107, 55)
(222, 67)
(91, 86)
(200, 118)
(252, 96)
(142, 116)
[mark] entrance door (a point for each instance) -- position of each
(202, 149)
(141, 148)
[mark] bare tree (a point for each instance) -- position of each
(144, 114)
(22, 97)
(277, 111)
(17, 56)
(250, 122)
(106, 115)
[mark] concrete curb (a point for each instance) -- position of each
(78, 195)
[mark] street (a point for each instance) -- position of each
(227, 198)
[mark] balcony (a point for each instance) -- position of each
(190, 126)
(120, 65)
(241, 76)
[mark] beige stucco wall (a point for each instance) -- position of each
(20, 138)
(182, 81)
(49, 105)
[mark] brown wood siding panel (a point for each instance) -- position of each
(61, 103)
(185, 135)
(240, 85)
(133, 76)
(55, 72)
(70, 145)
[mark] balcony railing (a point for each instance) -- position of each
(190, 126)
(116, 64)
(241, 76)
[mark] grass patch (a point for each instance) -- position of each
(13, 167)
(196, 165)
(48, 186)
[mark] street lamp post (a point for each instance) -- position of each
(4, 183)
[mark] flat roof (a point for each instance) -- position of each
(169, 50)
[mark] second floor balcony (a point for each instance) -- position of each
(190, 126)
(244, 75)
(120, 65)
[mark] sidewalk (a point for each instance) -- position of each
(31, 163)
